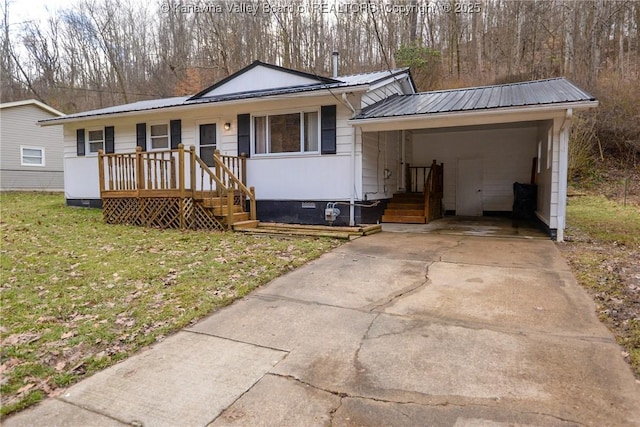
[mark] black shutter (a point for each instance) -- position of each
(80, 148)
(176, 133)
(244, 134)
(109, 140)
(328, 129)
(141, 136)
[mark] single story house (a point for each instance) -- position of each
(347, 143)
(30, 155)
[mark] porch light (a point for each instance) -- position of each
(227, 126)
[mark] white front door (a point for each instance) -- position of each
(469, 187)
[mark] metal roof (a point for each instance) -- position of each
(538, 92)
(152, 104)
(349, 81)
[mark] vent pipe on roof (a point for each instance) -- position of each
(335, 55)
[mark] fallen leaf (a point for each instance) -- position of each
(67, 335)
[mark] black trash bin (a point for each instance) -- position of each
(525, 198)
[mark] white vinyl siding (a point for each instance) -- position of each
(506, 153)
(380, 93)
(274, 176)
(380, 164)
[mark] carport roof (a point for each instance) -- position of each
(525, 94)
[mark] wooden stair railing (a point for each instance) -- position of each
(227, 185)
(162, 174)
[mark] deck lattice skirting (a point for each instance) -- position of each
(175, 189)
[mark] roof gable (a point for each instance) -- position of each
(32, 102)
(260, 76)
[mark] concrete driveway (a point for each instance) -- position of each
(403, 329)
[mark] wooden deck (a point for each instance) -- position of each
(175, 189)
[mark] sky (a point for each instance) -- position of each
(27, 10)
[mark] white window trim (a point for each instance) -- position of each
(549, 147)
(27, 147)
(281, 113)
(149, 144)
(88, 151)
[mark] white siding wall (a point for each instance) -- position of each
(381, 93)
(547, 179)
(18, 128)
(506, 153)
(381, 150)
(284, 177)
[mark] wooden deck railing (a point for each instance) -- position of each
(416, 177)
(433, 191)
(175, 173)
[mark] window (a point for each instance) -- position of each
(159, 136)
(96, 140)
(32, 156)
(208, 143)
(286, 133)
(539, 156)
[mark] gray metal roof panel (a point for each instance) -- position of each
(538, 92)
(125, 108)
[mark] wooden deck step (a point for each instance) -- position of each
(248, 224)
(223, 210)
(406, 219)
(417, 197)
(337, 232)
(405, 205)
(211, 202)
(404, 212)
(240, 216)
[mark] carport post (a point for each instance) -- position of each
(563, 173)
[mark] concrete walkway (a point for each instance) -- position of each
(403, 329)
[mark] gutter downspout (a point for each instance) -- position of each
(352, 198)
(562, 173)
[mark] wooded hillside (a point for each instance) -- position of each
(105, 52)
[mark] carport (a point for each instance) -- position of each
(487, 138)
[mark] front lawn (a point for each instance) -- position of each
(78, 295)
(603, 248)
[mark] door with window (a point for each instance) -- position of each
(208, 136)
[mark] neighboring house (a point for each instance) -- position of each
(356, 140)
(30, 155)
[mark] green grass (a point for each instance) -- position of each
(78, 295)
(605, 220)
(604, 250)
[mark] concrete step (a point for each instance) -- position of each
(404, 219)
